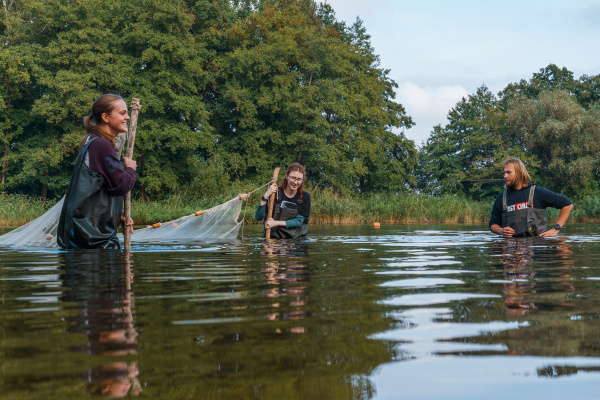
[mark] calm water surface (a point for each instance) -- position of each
(401, 312)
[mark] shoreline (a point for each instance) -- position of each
(327, 208)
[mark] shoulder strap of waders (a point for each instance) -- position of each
(504, 207)
(531, 192)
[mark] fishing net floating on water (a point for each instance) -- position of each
(218, 223)
(41, 232)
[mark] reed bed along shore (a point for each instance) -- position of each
(16, 210)
(327, 208)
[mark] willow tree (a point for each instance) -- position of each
(565, 137)
(297, 86)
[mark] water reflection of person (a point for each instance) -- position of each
(114, 380)
(99, 282)
(518, 259)
(287, 281)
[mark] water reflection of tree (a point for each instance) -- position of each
(99, 283)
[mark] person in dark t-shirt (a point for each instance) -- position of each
(521, 209)
(92, 210)
(291, 210)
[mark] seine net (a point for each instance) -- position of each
(218, 223)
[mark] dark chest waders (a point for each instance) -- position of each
(90, 217)
(527, 221)
(284, 214)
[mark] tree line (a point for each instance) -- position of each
(231, 89)
(551, 122)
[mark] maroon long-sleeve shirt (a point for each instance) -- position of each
(103, 160)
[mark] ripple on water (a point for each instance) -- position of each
(426, 271)
(425, 263)
(424, 326)
(422, 283)
(225, 317)
(426, 299)
(211, 321)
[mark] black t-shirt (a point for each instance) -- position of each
(290, 204)
(294, 203)
(542, 198)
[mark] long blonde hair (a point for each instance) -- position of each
(522, 176)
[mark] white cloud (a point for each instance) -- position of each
(428, 106)
(440, 51)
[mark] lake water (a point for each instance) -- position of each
(405, 311)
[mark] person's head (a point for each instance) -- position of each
(109, 388)
(108, 118)
(515, 174)
(294, 178)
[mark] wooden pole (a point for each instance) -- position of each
(271, 202)
(135, 110)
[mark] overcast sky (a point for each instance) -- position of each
(439, 51)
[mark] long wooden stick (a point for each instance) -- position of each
(271, 202)
(135, 110)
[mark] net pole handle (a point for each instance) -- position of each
(135, 110)
(271, 202)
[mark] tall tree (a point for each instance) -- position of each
(465, 157)
(295, 87)
(15, 57)
(141, 48)
(565, 137)
(228, 88)
(586, 89)
(548, 78)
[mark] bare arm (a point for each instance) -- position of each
(507, 231)
(561, 220)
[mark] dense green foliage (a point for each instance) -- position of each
(232, 89)
(551, 122)
(465, 156)
(229, 90)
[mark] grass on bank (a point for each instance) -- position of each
(327, 208)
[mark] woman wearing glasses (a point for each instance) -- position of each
(291, 210)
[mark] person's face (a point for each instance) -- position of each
(295, 179)
(115, 122)
(509, 175)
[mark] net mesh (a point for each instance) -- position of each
(218, 223)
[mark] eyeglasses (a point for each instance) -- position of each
(295, 180)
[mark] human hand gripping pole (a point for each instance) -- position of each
(135, 110)
(271, 202)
